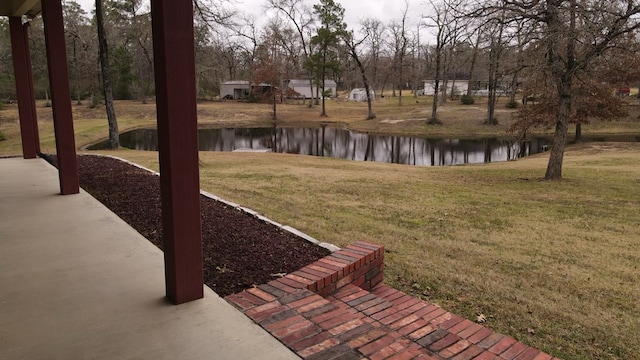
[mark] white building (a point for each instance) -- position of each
(235, 89)
(360, 94)
(303, 88)
(458, 87)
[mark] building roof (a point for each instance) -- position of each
(20, 7)
(236, 82)
(305, 82)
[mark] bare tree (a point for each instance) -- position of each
(213, 13)
(287, 41)
(494, 32)
(375, 32)
(446, 24)
(80, 40)
(114, 140)
(573, 35)
(303, 20)
(352, 46)
(400, 43)
(475, 38)
(246, 28)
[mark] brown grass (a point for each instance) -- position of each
(554, 264)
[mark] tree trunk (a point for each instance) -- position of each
(514, 85)
(114, 141)
(324, 61)
(491, 105)
(578, 137)
(445, 79)
(444, 89)
(452, 93)
(275, 117)
(370, 114)
(384, 84)
(401, 84)
(564, 84)
(472, 68)
(365, 80)
(324, 111)
(494, 58)
(434, 107)
(47, 103)
(554, 167)
(310, 90)
(436, 90)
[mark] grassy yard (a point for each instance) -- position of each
(553, 264)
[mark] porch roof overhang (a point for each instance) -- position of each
(19, 8)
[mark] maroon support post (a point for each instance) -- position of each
(60, 96)
(174, 61)
(36, 133)
(24, 88)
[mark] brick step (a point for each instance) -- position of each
(377, 322)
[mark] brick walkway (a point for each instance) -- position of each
(338, 308)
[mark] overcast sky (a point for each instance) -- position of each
(355, 10)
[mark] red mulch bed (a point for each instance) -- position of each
(239, 250)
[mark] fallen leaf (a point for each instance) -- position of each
(481, 318)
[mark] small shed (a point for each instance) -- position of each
(360, 94)
(458, 87)
(235, 89)
(303, 88)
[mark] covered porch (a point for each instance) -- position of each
(78, 282)
(176, 116)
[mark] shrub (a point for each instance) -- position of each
(2, 136)
(467, 100)
(434, 121)
(487, 122)
(512, 105)
(253, 98)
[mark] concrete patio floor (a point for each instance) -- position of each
(76, 282)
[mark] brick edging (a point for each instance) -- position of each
(360, 264)
(338, 307)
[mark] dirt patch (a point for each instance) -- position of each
(239, 250)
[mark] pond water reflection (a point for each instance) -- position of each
(345, 144)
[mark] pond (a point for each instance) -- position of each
(345, 144)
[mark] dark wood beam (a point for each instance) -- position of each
(60, 96)
(174, 61)
(24, 88)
